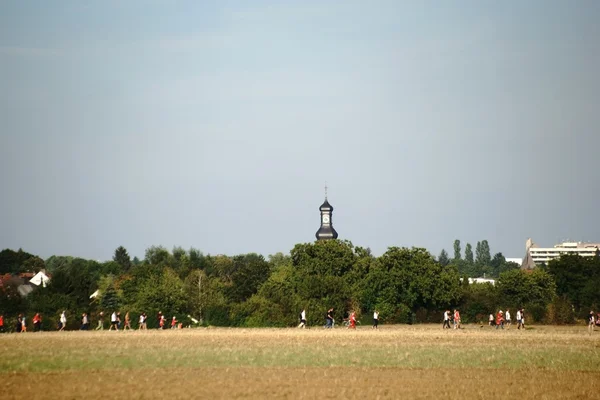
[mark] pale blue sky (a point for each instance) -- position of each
(216, 125)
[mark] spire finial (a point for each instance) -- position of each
(325, 190)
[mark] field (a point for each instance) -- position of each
(409, 362)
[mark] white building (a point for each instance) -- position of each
(542, 255)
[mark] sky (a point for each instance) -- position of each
(216, 125)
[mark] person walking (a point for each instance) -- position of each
(507, 318)
(329, 319)
(127, 324)
(375, 319)
(523, 318)
(519, 319)
(352, 320)
(456, 319)
(63, 321)
(19, 323)
(446, 324)
(174, 323)
(141, 322)
(114, 321)
(85, 322)
(23, 324)
(302, 319)
(1, 323)
(37, 322)
(499, 320)
(100, 326)
(491, 320)
(591, 322)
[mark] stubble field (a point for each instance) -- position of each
(394, 362)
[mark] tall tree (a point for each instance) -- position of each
(457, 250)
(485, 255)
(478, 261)
(469, 254)
(122, 258)
(443, 258)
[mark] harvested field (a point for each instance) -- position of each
(398, 361)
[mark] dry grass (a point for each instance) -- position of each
(411, 362)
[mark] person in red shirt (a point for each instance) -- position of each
(500, 320)
(1, 323)
(352, 321)
(173, 323)
(37, 322)
(456, 319)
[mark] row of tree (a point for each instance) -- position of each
(480, 264)
(406, 285)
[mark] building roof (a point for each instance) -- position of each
(326, 206)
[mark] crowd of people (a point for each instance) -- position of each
(116, 322)
(451, 321)
(350, 321)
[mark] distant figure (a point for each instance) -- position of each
(500, 320)
(329, 319)
(523, 318)
(23, 325)
(85, 322)
(1, 323)
(591, 322)
(127, 324)
(519, 319)
(162, 322)
(159, 318)
(352, 321)
(375, 319)
(37, 322)
(119, 320)
(446, 324)
(174, 323)
(302, 319)
(63, 321)
(141, 322)
(507, 318)
(114, 321)
(19, 324)
(100, 326)
(456, 319)
(491, 320)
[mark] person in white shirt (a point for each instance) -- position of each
(302, 319)
(63, 320)
(114, 321)
(491, 319)
(141, 323)
(375, 319)
(446, 320)
(507, 318)
(520, 319)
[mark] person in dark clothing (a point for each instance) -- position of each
(329, 319)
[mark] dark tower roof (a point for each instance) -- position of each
(326, 231)
(326, 206)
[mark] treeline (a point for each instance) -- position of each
(406, 285)
(479, 264)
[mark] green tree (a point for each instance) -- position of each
(469, 255)
(578, 279)
(443, 258)
(122, 258)
(405, 280)
(457, 251)
(533, 290)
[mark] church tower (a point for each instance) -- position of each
(326, 230)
